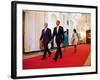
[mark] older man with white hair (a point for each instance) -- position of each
(46, 37)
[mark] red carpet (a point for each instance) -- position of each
(70, 59)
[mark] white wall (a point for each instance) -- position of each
(33, 25)
(5, 41)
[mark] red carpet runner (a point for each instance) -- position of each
(70, 59)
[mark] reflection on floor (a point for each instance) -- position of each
(70, 59)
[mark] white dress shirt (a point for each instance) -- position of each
(57, 28)
(45, 29)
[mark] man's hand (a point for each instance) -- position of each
(51, 41)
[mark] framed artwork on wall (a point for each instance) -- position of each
(50, 39)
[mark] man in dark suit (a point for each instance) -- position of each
(58, 32)
(46, 37)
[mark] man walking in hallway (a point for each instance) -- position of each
(58, 33)
(46, 37)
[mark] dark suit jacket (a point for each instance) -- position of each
(59, 36)
(46, 35)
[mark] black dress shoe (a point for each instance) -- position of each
(49, 54)
(60, 57)
(43, 58)
(55, 59)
